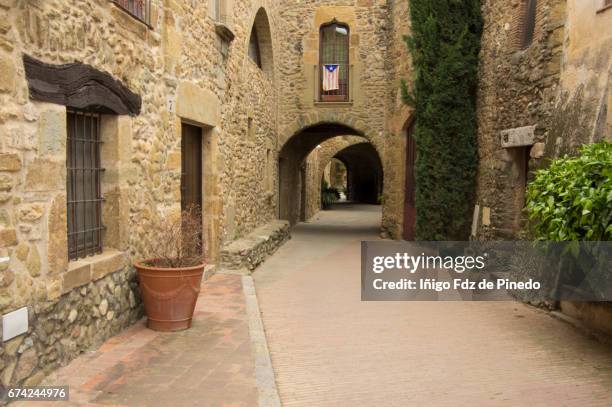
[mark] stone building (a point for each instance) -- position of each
(114, 114)
(545, 69)
(545, 89)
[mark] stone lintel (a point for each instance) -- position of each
(197, 105)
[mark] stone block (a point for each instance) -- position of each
(537, 151)
(107, 263)
(486, 216)
(31, 212)
(33, 264)
(79, 274)
(8, 73)
(45, 175)
(6, 183)
(10, 162)
(8, 237)
(57, 252)
(22, 251)
(52, 132)
(26, 365)
(197, 104)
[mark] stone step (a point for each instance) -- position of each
(245, 254)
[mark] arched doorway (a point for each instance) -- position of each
(291, 165)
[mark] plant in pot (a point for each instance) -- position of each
(170, 279)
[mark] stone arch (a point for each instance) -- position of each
(304, 136)
(316, 162)
(263, 29)
(353, 126)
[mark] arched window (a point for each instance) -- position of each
(254, 53)
(334, 62)
(260, 44)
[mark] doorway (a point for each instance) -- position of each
(410, 187)
(191, 170)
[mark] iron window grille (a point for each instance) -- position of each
(139, 9)
(334, 50)
(83, 185)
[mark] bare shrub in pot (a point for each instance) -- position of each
(170, 279)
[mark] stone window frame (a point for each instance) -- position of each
(115, 132)
(115, 153)
(345, 98)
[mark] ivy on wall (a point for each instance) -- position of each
(444, 45)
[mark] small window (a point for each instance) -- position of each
(529, 23)
(334, 62)
(254, 53)
(84, 192)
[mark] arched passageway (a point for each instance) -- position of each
(365, 173)
(293, 174)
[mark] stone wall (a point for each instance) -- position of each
(518, 87)
(75, 322)
(398, 116)
(560, 84)
(185, 73)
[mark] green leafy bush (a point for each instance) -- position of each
(444, 45)
(329, 195)
(572, 199)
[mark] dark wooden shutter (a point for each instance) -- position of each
(529, 23)
(84, 185)
(191, 166)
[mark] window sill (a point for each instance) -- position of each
(83, 271)
(333, 104)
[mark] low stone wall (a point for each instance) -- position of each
(61, 329)
(244, 255)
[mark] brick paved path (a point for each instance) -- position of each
(330, 349)
(209, 365)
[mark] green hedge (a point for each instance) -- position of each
(572, 199)
(444, 45)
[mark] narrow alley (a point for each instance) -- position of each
(328, 348)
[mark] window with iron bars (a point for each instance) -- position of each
(139, 9)
(334, 51)
(83, 184)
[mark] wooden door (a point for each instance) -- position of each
(410, 187)
(191, 170)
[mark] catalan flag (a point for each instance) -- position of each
(331, 77)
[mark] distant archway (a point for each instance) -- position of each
(291, 160)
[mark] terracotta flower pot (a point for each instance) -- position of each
(169, 295)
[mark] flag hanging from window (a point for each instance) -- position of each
(331, 77)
